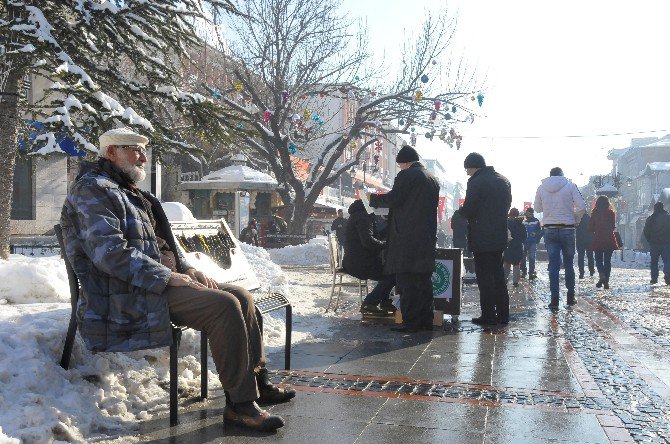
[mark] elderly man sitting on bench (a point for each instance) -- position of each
(134, 281)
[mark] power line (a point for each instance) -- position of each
(571, 136)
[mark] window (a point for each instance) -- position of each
(22, 194)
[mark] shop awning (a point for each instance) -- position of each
(235, 177)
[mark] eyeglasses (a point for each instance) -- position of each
(139, 150)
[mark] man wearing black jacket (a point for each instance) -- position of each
(487, 201)
(657, 232)
(412, 236)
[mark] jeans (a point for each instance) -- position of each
(581, 252)
(604, 262)
(493, 294)
(381, 291)
(530, 252)
(560, 241)
(657, 250)
(515, 271)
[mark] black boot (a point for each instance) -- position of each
(270, 393)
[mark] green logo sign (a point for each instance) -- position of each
(441, 278)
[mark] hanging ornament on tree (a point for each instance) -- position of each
(433, 62)
(376, 158)
(453, 109)
(353, 144)
(306, 113)
(472, 98)
(295, 117)
(240, 125)
(418, 95)
(447, 116)
(292, 148)
(480, 99)
(284, 97)
(412, 139)
(443, 134)
(315, 117)
(216, 94)
(429, 135)
(412, 129)
(266, 116)
(322, 94)
(357, 78)
(238, 86)
(433, 115)
(438, 105)
(424, 78)
(401, 122)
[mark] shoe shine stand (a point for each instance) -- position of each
(447, 286)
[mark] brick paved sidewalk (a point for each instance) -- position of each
(596, 373)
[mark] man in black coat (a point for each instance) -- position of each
(412, 236)
(657, 232)
(459, 226)
(363, 258)
(487, 202)
(339, 223)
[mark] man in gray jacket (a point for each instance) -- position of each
(134, 281)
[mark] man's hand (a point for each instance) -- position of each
(201, 277)
(183, 280)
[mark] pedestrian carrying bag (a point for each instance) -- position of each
(619, 242)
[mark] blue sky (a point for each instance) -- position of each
(553, 69)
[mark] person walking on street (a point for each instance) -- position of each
(604, 242)
(657, 233)
(534, 233)
(363, 259)
(514, 251)
(459, 226)
(135, 282)
(584, 239)
(487, 201)
(562, 206)
(338, 226)
(412, 237)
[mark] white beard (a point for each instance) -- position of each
(136, 173)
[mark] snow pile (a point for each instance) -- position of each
(24, 280)
(632, 259)
(313, 253)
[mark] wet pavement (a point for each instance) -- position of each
(595, 373)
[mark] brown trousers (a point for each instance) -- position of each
(228, 316)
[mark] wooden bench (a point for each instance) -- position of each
(265, 302)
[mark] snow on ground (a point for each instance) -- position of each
(313, 253)
(105, 395)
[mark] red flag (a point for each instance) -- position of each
(527, 205)
(440, 207)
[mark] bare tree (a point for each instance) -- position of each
(299, 65)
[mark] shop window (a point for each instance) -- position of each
(23, 207)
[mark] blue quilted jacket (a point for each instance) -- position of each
(112, 247)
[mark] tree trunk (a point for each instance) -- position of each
(300, 212)
(10, 115)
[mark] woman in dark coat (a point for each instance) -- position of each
(604, 242)
(363, 259)
(514, 251)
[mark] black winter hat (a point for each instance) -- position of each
(474, 160)
(407, 154)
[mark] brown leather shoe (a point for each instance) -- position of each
(249, 415)
(270, 393)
